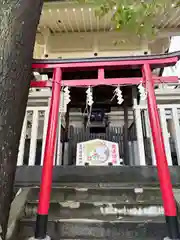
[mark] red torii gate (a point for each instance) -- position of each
(145, 63)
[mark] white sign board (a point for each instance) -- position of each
(98, 152)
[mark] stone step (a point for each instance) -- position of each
(96, 210)
(95, 176)
(128, 195)
(99, 213)
(136, 228)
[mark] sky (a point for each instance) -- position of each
(174, 46)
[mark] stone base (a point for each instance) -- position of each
(33, 238)
(167, 238)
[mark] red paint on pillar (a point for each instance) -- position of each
(162, 165)
(47, 170)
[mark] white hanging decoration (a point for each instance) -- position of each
(89, 96)
(65, 99)
(119, 95)
(67, 95)
(142, 91)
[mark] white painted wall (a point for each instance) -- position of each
(84, 45)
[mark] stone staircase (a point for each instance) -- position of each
(98, 203)
(116, 212)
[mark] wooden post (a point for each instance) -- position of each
(125, 136)
(66, 160)
(141, 160)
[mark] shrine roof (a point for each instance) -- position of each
(155, 60)
(70, 16)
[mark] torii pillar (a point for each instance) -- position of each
(170, 209)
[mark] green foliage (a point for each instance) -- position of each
(137, 16)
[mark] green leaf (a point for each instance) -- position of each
(136, 16)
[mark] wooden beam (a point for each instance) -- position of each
(101, 81)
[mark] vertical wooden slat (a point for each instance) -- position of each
(176, 132)
(120, 141)
(81, 135)
(66, 153)
(55, 152)
(86, 135)
(22, 142)
(130, 154)
(149, 134)
(46, 115)
(165, 135)
(107, 133)
(33, 142)
(59, 145)
(141, 161)
(125, 138)
(134, 151)
(70, 145)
